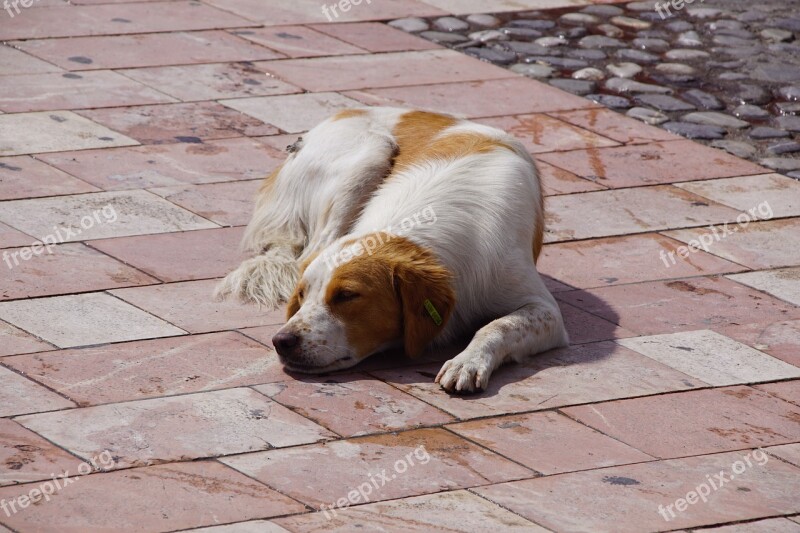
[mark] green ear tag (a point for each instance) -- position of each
(437, 318)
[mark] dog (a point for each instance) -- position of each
(389, 227)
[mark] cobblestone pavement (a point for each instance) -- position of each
(726, 72)
(132, 138)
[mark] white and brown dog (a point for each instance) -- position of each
(388, 227)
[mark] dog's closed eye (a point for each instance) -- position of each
(343, 295)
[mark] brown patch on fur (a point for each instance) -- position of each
(392, 284)
(349, 113)
(414, 132)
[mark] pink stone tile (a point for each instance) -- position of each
(10, 237)
(206, 424)
(211, 81)
(537, 440)
(166, 165)
(15, 341)
(152, 368)
(42, 92)
(157, 498)
(26, 456)
(228, 204)
(264, 334)
(169, 123)
(558, 181)
(541, 133)
(615, 126)
(354, 404)
(759, 245)
(477, 99)
(584, 327)
(298, 41)
(119, 19)
(19, 395)
(13, 61)
(146, 50)
(321, 474)
(765, 196)
(452, 511)
(779, 339)
(770, 525)
(625, 211)
(621, 260)
(190, 305)
(181, 256)
(84, 319)
(83, 217)
(305, 11)
(788, 452)
(293, 113)
(695, 422)
(391, 69)
(786, 390)
(375, 37)
(463, 7)
(681, 305)
(25, 177)
(626, 499)
(655, 163)
(578, 374)
(70, 268)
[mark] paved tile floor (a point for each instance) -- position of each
(132, 138)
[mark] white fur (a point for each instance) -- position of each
(486, 206)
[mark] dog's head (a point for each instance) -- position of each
(359, 297)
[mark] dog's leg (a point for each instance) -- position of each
(533, 328)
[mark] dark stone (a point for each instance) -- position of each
(636, 56)
(583, 53)
(563, 62)
(789, 123)
(662, 102)
(614, 102)
(703, 99)
(532, 24)
(579, 87)
(789, 147)
(753, 94)
(525, 34)
(694, 131)
(81, 59)
(501, 57)
(524, 48)
(768, 133)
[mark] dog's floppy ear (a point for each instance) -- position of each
(427, 299)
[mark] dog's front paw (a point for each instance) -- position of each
(467, 372)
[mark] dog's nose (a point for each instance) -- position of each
(285, 343)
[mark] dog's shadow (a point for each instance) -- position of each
(591, 339)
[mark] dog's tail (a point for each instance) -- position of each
(267, 279)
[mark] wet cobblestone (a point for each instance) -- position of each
(726, 74)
